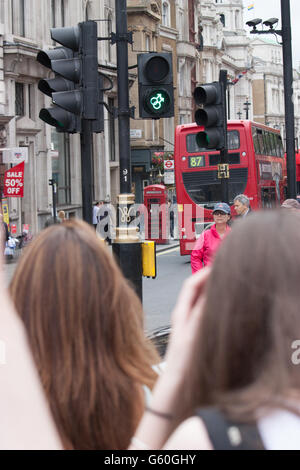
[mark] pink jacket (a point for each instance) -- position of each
(205, 248)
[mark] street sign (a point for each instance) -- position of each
(14, 155)
(135, 133)
(169, 177)
(14, 181)
(169, 164)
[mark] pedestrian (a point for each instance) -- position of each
(171, 218)
(209, 240)
(62, 216)
(96, 214)
(105, 219)
(4, 233)
(234, 354)
(241, 204)
(291, 204)
(26, 423)
(85, 329)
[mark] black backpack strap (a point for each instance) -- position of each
(227, 435)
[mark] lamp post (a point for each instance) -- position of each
(247, 104)
(239, 114)
(285, 33)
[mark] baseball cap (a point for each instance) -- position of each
(222, 206)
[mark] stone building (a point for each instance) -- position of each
(204, 37)
(24, 30)
(268, 86)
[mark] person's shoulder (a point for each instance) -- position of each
(190, 434)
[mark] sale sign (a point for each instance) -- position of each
(14, 181)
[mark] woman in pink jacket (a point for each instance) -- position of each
(209, 240)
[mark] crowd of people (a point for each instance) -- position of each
(81, 374)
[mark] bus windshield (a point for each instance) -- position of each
(192, 146)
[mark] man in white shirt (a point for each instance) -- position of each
(96, 213)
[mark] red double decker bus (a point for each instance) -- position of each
(257, 168)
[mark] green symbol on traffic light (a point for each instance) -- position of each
(157, 101)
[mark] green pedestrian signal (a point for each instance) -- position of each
(158, 102)
(156, 94)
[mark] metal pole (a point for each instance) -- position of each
(288, 95)
(123, 98)
(54, 190)
(86, 142)
(228, 102)
(127, 247)
(224, 151)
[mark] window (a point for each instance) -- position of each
(112, 134)
(109, 31)
(57, 13)
(53, 13)
(19, 99)
(147, 43)
(18, 17)
(166, 14)
(222, 19)
(232, 136)
(60, 146)
(31, 101)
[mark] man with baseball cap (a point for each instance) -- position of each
(209, 240)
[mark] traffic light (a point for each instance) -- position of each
(75, 90)
(155, 76)
(212, 116)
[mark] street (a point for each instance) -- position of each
(160, 294)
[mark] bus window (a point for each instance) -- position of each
(273, 144)
(266, 138)
(268, 198)
(279, 146)
(256, 141)
(191, 144)
(232, 136)
(260, 141)
(233, 140)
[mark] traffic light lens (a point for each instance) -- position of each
(157, 69)
(157, 101)
(202, 140)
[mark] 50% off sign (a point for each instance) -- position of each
(14, 181)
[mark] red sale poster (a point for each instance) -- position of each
(14, 181)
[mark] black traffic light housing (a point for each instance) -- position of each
(75, 90)
(212, 115)
(155, 81)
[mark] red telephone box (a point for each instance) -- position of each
(156, 204)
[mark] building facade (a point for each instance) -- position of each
(204, 37)
(24, 30)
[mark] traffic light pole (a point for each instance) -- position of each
(288, 95)
(54, 190)
(127, 246)
(86, 142)
(224, 167)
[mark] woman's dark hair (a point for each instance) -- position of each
(85, 328)
(251, 318)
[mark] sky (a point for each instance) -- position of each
(266, 9)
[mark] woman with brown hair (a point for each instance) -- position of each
(85, 329)
(233, 363)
